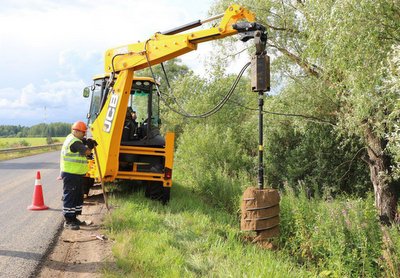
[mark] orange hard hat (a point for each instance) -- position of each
(79, 125)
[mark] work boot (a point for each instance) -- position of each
(79, 222)
(71, 225)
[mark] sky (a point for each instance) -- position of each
(50, 50)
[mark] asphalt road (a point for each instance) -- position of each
(25, 235)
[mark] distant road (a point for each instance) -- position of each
(26, 235)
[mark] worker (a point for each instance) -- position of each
(74, 166)
(134, 124)
(134, 116)
(130, 131)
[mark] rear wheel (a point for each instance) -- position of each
(156, 191)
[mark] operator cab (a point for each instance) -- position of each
(142, 122)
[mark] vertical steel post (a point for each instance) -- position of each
(260, 82)
(260, 140)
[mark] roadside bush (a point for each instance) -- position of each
(214, 164)
(391, 251)
(314, 154)
(21, 143)
(341, 237)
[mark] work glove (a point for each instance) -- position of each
(90, 156)
(91, 143)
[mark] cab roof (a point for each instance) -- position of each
(135, 78)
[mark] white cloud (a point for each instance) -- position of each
(50, 102)
(74, 64)
(51, 49)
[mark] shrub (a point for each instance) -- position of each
(214, 164)
(341, 236)
(21, 143)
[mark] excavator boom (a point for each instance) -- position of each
(171, 44)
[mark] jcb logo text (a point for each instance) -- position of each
(110, 113)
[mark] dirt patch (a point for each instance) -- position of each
(82, 253)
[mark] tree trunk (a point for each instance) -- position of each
(385, 187)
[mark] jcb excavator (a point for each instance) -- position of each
(124, 114)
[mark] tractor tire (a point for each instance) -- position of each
(155, 191)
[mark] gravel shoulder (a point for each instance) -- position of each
(82, 253)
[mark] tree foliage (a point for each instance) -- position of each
(215, 155)
(392, 83)
(174, 69)
(40, 130)
(340, 52)
(13, 131)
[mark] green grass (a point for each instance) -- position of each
(191, 237)
(187, 238)
(28, 141)
(6, 143)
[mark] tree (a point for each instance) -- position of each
(392, 83)
(215, 155)
(343, 46)
(12, 131)
(174, 69)
(39, 130)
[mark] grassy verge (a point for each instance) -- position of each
(187, 238)
(7, 156)
(192, 238)
(13, 142)
(6, 143)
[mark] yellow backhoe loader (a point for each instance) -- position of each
(124, 114)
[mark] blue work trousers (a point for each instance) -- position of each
(72, 195)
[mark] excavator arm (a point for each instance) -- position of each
(121, 62)
(168, 45)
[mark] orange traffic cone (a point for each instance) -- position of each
(37, 200)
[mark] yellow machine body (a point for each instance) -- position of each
(121, 64)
